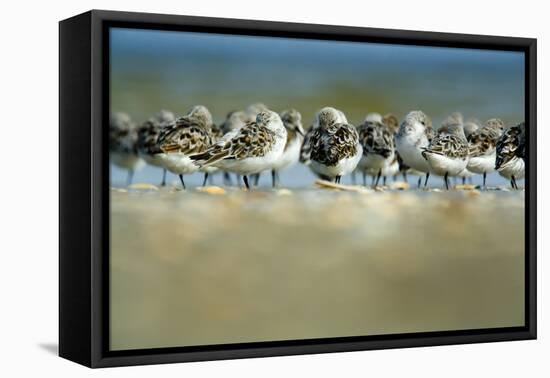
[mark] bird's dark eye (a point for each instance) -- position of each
(423, 123)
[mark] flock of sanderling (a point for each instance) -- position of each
(257, 139)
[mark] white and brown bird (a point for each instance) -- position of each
(123, 137)
(248, 150)
(190, 135)
(148, 134)
(414, 135)
(335, 146)
(510, 150)
(482, 148)
(447, 153)
(377, 141)
(305, 151)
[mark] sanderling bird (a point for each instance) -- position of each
(237, 119)
(189, 136)
(148, 134)
(392, 122)
(233, 121)
(336, 116)
(123, 138)
(253, 148)
(510, 150)
(415, 134)
(378, 147)
(335, 147)
(447, 153)
(482, 148)
(292, 120)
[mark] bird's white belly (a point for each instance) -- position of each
(441, 164)
(127, 161)
(178, 163)
(411, 154)
(253, 165)
(154, 160)
(482, 164)
(515, 167)
(342, 168)
(290, 156)
(391, 170)
(465, 173)
(374, 162)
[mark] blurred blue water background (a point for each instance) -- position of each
(153, 70)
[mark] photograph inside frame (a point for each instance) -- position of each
(269, 189)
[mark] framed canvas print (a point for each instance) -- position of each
(234, 188)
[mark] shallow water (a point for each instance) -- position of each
(190, 268)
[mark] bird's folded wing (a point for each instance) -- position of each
(448, 145)
(481, 143)
(189, 140)
(508, 147)
(251, 140)
(305, 151)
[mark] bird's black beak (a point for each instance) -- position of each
(299, 131)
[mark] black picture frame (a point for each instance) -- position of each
(84, 190)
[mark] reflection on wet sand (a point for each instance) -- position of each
(192, 268)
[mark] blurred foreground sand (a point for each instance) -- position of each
(191, 268)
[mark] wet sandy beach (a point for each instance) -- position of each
(192, 268)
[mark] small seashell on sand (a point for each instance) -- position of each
(143, 186)
(215, 190)
(283, 192)
(323, 184)
(400, 185)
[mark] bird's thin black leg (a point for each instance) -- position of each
(419, 181)
(337, 179)
(364, 178)
(405, 177)
(426, 181)
(273, 178)
(378, 178)
(205, 179)
(256, 178)
(514, 183)
(384, 180)
(163, 183)
(463, 180)
(245, 179)
(182, 183)
(447, 180)
(484, 180)
(130, 177)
